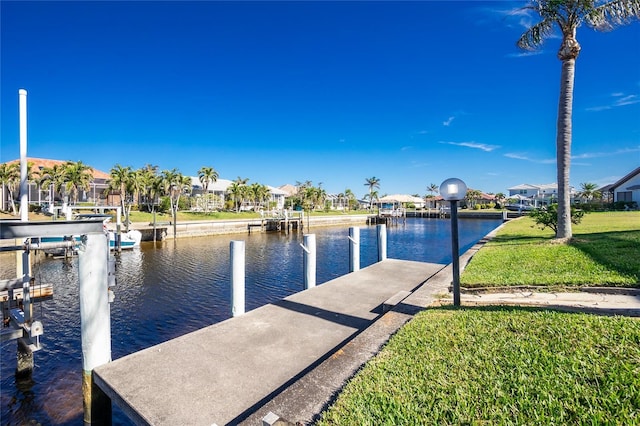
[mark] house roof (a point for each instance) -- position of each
(628, 177)
(400, 198)
(223, 184)
(291, 190)
(37, 163)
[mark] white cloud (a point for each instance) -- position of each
(525, 157)
(448, 121)
(475, 145)
(618, 99)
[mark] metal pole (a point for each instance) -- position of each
(24, 191)
(309, 257)
(455, 253)
(354, 249)
(237, 278)
(382, 242)
(118, 236)
(95, 322)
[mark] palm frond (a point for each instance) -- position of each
(535, 35)
(613, 13)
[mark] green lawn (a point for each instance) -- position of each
(604, 251)
(499, 366)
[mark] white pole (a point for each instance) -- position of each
(24, 191)
(382, 242)
(237, 278)
(95, 315)
(309, 255)
(354, 249)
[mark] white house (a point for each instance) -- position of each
(627, 188)
(545, 193)
(221, 186)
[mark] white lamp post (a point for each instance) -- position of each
(454, 190)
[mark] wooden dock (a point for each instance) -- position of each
(224, 373)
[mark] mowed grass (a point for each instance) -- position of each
(604, 251)
(499, 366)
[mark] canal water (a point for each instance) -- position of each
(176, 287)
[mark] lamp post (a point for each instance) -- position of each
(454, 190)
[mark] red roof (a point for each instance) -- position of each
(36, 163)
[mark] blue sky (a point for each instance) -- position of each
(329, 92)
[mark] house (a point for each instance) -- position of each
(220, 188)
(96, 194)
(628, 188)
(537, 194)
(400, 200)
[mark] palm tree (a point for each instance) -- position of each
(77, 176)
(433, 188)
(568, 15)
(10, 179)
(589, 191)
(207, 175)
(235, 190)
(350, 197)
(372, 183)
(473, 195)
(54, 177)
(119, 182)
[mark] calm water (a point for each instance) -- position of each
(174, 288)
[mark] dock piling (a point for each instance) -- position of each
(354, 249)
(309, 257)
(382, 242)
(95, 323)
(237, 277)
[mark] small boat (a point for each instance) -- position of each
(128, 240)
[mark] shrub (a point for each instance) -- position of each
(548, 217)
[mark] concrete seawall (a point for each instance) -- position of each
(201, 228)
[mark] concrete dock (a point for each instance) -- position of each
(234, 371)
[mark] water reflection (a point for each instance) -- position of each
(172, 288)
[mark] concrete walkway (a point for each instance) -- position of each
(225, 372)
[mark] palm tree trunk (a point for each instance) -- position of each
(563, 148)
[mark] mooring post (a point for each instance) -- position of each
(95, 323)
(118, 235)
(382, 242)
(309, 257)
(237, 278)
(354, 249)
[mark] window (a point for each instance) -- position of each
(624, 196)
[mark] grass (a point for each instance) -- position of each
(502, 366)
(604, 251)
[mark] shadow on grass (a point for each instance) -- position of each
(618, 251)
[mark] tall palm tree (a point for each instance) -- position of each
(568, 15)
(77, 176)
(207, 175)
(350, 197)
(372, 183)
(433, 188)
(10, 179)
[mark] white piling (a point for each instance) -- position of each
(95, 320)
(24, 184)
(309, 257)
(382, 242)
(237, 277)
(354, 249)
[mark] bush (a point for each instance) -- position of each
(548, 217)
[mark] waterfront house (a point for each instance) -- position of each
(543, 194)
(627, 189)
(220, 189)
(96, 194)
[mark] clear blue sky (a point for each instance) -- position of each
(331, 92)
